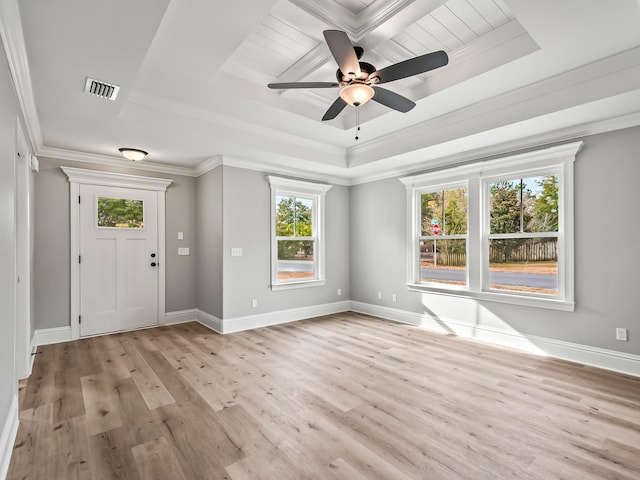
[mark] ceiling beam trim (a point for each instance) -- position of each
(356, 26)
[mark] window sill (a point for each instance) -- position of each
(512, 299)
(301, 284)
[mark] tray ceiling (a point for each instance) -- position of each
(193, 77)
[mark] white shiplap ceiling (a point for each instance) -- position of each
(193, 79)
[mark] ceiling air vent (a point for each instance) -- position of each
(101, 89)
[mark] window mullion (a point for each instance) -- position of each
(476, 238)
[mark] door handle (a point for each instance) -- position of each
(153, 264)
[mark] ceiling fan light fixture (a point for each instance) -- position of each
(357, 94)
(132, 153)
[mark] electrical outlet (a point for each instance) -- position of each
(621, 334)
(339, 292)
(379, 295)
(254, 303)
(394, 298)
(180, 235)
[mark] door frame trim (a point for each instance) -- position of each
(24, 261)
(80, 176)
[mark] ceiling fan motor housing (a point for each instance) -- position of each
(366, 69)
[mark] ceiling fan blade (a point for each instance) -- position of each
(413, 66)
(343, 52)
(335, 108)
(304, 85)
(392, 100)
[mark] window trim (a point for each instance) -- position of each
(316, 192)
(558, 159)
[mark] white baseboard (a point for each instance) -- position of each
(249, 322)
(47, 336)
(210, 321)
(181, 316)
(8, 437)
(574, 352)
(33, 348)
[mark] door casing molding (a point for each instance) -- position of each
(79, 176)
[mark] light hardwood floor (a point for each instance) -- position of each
(340, 397)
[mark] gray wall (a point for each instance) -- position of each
(607, 259)
(209, 242)
(8, 113)
(246, 224)
(51, 246)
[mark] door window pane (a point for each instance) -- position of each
(120, 213)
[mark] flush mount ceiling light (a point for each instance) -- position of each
(133, 153)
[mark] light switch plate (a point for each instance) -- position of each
(183, 251)
(236, 252)
(180, 235)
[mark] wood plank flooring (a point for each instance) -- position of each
(339, 397)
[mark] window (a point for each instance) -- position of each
(499, 230)
(297, 246)
(443, 236)
(523, 234)
(120, 213)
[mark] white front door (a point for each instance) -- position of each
(118, 259)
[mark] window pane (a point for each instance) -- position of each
(525, 205)
(443, 261)
(524, 265)
(295, 260)
(444, 212)
(120, 213)
(294, 217)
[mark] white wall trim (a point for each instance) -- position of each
(210, 321)
(48, 336)
(12, 37)
(109, 179)
(249, 322)
(33, 348)
(8, 437)
(288, 169)
(574, 352)
(100, 159)
(208, 165)
(180, 316)
(357, 26)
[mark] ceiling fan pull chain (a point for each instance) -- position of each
(357, 122)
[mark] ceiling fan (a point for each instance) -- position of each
(358, 80)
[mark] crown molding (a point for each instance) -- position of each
(286, 170)
(189, 111)
(598, 81)
(95, 158)
(350, 177)
(13, 41)
(356, 25)
(110, 179)
(438, 162)
(208, 165)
